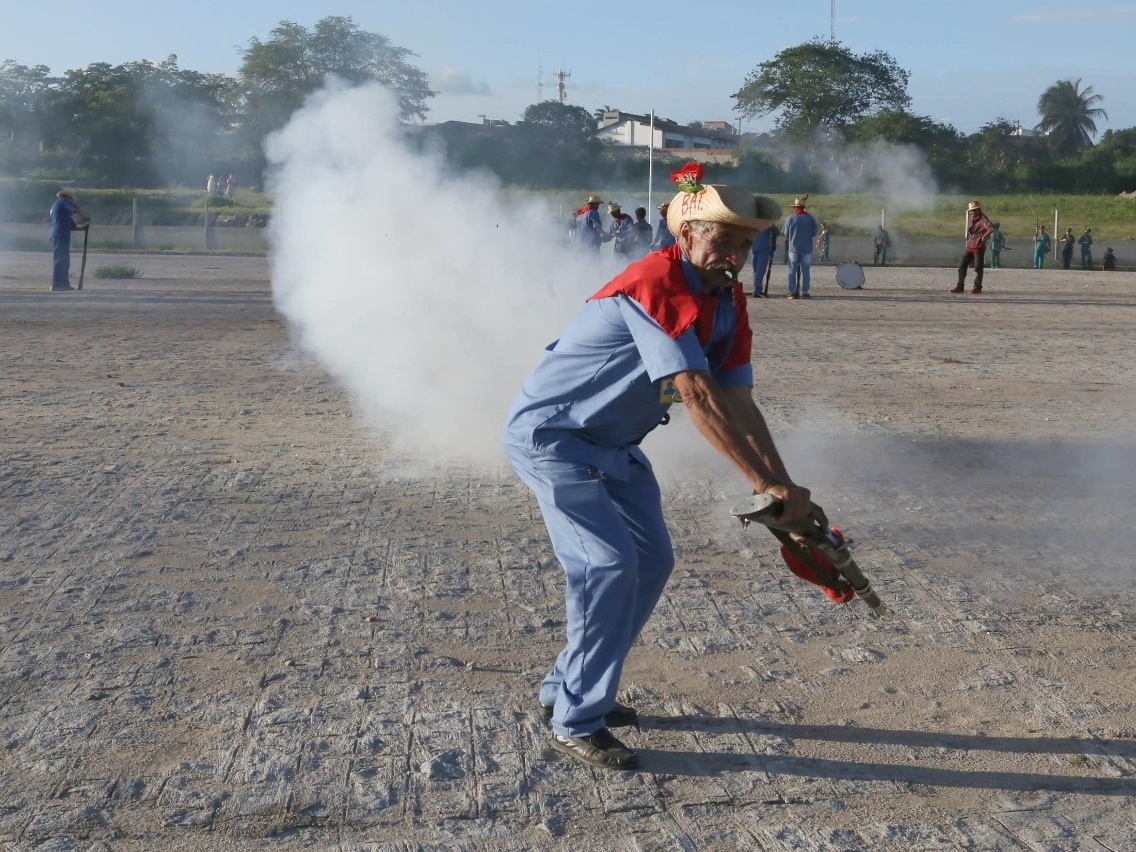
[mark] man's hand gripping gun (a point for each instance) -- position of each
(813, 551)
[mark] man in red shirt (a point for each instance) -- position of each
(978, 231)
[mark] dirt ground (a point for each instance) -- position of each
(229, 619)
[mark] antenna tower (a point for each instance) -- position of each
(561, 89)
(832, 22)
(540, 84)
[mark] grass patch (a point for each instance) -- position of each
(118, 272)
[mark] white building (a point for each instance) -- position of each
(635, 131)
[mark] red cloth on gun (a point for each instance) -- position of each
(802, 569)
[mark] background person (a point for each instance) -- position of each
(621, 231)
(881, 242)
(66, 216)
(589, 233)
(1041, 244)
(643, 233)
(663, 236)
(1068, 240)
(978, 231)
(764, 244)
(672, 327)
(801, 230)
(824, 241)
(1086, 243)
(997, 243)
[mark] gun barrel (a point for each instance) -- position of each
(860, 584)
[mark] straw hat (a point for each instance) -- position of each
(800, 200)
(63, 193)
(613, 207)
(726, 204)
(974, 205)
(594, 199)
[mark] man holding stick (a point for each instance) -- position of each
(66, 216)
(764, 244)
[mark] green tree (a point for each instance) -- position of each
(279, 73)
(145, 123)
(23, 93)
(1068, 115)
(564, 137)
(822, 86)
(570, 121)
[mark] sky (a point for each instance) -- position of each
(969, 64)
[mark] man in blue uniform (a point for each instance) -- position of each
(801, 230)
(672, 327)
(589, 232)
(663, 236)
(764, 244)
(64, 213)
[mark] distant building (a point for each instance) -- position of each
(1028, 132)
(635, 131)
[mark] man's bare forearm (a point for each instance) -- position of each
(739, 434)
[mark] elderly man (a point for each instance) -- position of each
(672, 327)
(65, 216)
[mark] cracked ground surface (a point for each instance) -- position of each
(230, 618)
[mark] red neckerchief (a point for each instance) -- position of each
(659, 285)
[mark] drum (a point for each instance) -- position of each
(850, 275)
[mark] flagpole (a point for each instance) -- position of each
(651, 164)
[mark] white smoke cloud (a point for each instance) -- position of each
(899, 174)
(429, 295)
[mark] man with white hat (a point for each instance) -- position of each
(66, 216)
(672, 327)
(978, 231)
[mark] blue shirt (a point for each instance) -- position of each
(60, 214)
(589, 229)
(599, 389)
(800, 232)
(663, 236)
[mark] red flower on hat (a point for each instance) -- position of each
(689, 177)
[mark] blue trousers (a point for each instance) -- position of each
(803, 261)
(760, 265)
(61, 261)
(613, 544)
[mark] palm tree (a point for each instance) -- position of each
(1067, 115)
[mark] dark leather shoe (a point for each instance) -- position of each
(620, 716)
(976, 289)
(600, 749)
(957, 288)
(791, 296)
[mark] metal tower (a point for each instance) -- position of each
(561, 89)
